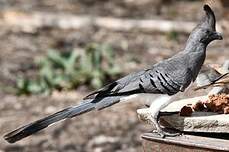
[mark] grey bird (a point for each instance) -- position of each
(209, 77)
(167, 78)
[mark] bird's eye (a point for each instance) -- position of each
(208, 32)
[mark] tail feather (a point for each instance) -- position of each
(107, 102)
(86, 106)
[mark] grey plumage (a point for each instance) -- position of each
(86, 106)
(207, 75)
(166, 77)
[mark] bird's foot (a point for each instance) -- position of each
(162, 133)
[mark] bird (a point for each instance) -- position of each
(166, 78)
(216, 78)
(207, 75)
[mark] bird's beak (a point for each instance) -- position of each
(217, 36)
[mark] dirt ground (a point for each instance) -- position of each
(113, 129)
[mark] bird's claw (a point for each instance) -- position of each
(161, 130)
(160, 133)
(168, 134)
(164, 134)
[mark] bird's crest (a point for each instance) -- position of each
(208, 20)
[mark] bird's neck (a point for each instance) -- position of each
(195, 46)
(197, 53)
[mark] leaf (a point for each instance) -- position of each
(115, 70)
(22, 86)
(34, 87)
(96, 83)
(56, 58)
(70, 62)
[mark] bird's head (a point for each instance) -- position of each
(205, 30)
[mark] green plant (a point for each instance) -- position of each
(70, 69)
(172, 35)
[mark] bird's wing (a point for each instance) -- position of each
(172, 75)
(168, 77)
(127, 85)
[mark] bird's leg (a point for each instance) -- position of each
(155, 121)
(159, 129)
(155, 108)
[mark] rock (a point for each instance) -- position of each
(198, 122)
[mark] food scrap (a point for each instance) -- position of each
(199, 106)
(218, 103)
(186, 111)
(215, 103)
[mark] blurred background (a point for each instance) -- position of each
(53, 53)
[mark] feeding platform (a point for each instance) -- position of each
(202, 131)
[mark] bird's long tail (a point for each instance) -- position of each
(85, 106)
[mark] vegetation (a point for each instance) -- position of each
(63, 71)
(172, 35)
